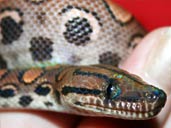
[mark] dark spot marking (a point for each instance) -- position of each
(3, 64)
(43, 89)
(11, 30)
(74, 59)
(110, 58)
(78, 103)
(78, 31)
(7, 93)
(133, 41)
(41, 16)
(25, 101)
(48, 104)
(84, 91)
(8, 90)
(41, 48)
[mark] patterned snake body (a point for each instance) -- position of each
(44, 33)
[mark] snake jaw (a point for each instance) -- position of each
(117, 109)
(111, 92)
(93, 110)
(141, 109)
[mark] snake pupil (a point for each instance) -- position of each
(113, 90)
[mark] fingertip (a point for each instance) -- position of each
(151, 59)
(35, 119)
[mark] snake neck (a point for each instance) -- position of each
(32, 89)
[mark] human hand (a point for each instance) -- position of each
(150, 60)
(142, 62)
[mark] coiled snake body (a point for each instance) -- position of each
(54, 35)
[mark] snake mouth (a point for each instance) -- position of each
(119, 113)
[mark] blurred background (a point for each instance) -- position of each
(150, 13)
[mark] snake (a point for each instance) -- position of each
(63, 56)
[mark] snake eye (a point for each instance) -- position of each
(113, 90)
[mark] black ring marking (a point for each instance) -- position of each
(12, 9)
(25, 100)
(84, 91)
(137, 35)
(43, 91)
(36, 2)
(11, 30)
(113, 16)
(69, 7)
(22, 72)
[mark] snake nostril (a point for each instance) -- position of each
(150, 97)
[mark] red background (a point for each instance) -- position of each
(150, 13)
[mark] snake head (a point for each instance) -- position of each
(103, 90)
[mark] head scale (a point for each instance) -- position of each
(107, 91)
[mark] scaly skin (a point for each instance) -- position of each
(97, 90)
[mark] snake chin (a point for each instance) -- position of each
(116, 113)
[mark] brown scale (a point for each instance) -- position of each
(48, 20)
(115, 27)
(31, 75)
(2, 73)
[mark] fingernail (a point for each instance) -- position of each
(152, 59)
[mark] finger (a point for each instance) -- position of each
(100, 122)
(150, 60)
(36, 119)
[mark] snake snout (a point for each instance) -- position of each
(161, 98)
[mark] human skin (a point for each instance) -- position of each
(150, 52)
(150, 60)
